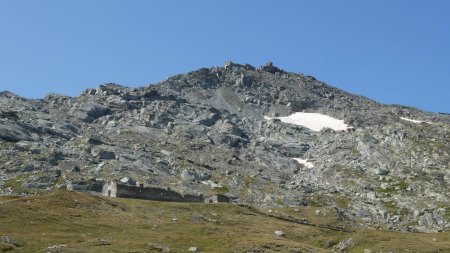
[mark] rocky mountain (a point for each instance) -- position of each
(262, 135)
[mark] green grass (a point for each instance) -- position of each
(447, 213)
(248, 181)
(355, 152)
(343, 202)
(401, 185)
(86, 223)
(317, 200)
(82, 222)
(16, 184)
(221, 190)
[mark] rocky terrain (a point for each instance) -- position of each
(221, 130)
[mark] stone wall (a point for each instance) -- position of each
(91, 186)
(217, 198)
(118, 190)
(109, 189)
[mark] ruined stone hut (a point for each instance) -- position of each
(216, 198)
(119, 190)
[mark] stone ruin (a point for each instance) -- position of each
(216, 198)
(128, 188)
(116, 189)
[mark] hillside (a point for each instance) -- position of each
(65, 221)
(267, 137)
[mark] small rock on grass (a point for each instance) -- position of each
(56, 248)
(9, 240)
(158, 247)
(279, 233)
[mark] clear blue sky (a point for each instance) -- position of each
(391, 51)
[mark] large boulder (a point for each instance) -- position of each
(15, 132)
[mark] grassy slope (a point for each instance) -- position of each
(87, 223)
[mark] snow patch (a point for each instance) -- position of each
(313, 121)
(415, 121)
(305, 162)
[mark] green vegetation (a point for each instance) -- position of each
(86, 223)
(221, 190)
(16, 184)
(343, 202)
(355, 152)
(248, 181)
(387, 190)
(401, 185)
(393, 208)
(317, 201)
(447, 213)
(93, 224)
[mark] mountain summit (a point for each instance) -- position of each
(264, 136)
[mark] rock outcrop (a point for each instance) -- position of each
(221, 126)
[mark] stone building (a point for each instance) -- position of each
(216, 198)
(120, 190)
(91, 186)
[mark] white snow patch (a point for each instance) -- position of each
(313, 121)
(415, 121)
(305, 162)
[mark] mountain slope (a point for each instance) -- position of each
(221, 130)
(64, 221)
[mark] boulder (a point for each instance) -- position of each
(14, 132)
(193, 175)
(127, 180)
(9, 240)
(23, 146)
(278, 233)
(56, 248)
(344, 245)
(103, 154)
(158, 247)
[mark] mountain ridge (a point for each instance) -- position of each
(218, 130)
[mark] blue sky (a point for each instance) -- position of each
(391, 51)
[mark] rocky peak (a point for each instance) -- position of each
(268, 67)
(242, 129)
(7, 94)
(230, 65)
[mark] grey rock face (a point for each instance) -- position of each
(89, 111)
(10, 131)
(206, 131)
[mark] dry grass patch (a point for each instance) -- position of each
(85, 223)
